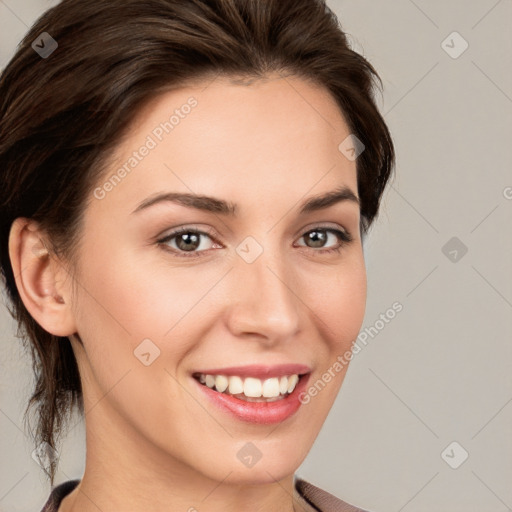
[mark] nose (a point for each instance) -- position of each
(265, 304)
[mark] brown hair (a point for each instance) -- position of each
(63, 115)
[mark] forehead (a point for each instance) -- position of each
(272, 137)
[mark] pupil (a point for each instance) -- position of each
(189, 238)
(317, 237)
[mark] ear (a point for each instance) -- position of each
(42, 280)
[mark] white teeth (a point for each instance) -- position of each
(292, 382)
(236, 385)
(272, 389)
(252, 387)
(283, 385)
(210, 381)
(221, 383)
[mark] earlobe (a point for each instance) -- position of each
(42, 281)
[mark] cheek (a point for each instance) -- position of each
(339, 302)
(131, 300)
(125, 309)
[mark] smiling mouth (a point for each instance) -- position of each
(251, 389)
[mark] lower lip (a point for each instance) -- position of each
(258, 412)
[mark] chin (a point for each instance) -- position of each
(256, 464)
(261, 473)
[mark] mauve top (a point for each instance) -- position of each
(307, 498)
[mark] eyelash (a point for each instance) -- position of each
(344, 236)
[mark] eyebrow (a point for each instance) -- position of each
(215, 205)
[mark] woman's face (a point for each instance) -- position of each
(249, 296)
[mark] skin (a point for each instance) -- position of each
(153, 441)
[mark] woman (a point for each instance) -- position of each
(187, 185)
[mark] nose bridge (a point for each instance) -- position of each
(266, 301)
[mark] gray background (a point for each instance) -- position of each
(438, 372)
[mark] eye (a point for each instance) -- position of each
(187, 241)
(319, 236)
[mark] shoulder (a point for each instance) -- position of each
(320, 500)
(58, 493)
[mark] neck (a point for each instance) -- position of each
(126, 472)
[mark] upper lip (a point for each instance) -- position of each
(258, 371)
